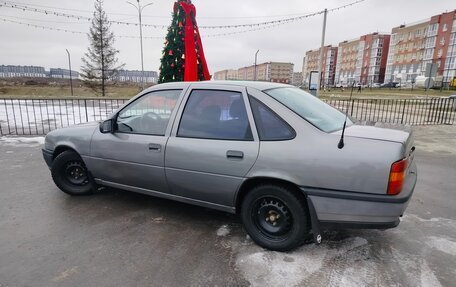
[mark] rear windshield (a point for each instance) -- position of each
(315, 111)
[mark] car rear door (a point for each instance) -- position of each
(133, 155)
(213, 144)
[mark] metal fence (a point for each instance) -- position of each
(432, 111)
(39, 116)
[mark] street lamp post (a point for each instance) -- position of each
(140, 9)
(71, 76)
(256, 57)
(320, 59)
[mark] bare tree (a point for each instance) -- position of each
(100, 60)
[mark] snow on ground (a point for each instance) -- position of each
(442, 244)
(22, 141)
(224, 230)
(403, 256)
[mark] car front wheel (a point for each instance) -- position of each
(275, 218)
(71, 175)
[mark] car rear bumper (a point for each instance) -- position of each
(341, 209)
(48, 157)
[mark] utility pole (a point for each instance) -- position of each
(320, 60)
(255, 72)
(140, 9)
(71, 76)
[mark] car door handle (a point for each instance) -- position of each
(234, 154)
(155, 147)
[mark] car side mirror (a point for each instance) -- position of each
(107, 126)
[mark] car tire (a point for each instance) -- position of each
(275, 217)
(71, 175)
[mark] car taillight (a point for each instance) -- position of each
(397, 176)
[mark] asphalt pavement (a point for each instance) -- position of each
(118, 238)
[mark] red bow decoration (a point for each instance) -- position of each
(192, 35)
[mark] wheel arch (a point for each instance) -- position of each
(250, 183)
(62, 148)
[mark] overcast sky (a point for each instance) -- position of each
(22, 45)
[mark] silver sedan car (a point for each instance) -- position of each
(286, 162)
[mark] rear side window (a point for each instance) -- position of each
(269, 125)
(214, 114)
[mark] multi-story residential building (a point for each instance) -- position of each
(226, 75)
(136, 76)
(375, 57)
(269, 72)
(346, 66)
(297, 79)
(415, 47)
(62, 73)
(443, 28)
(22, 71)
(363, 60)
(407, 52)
(328, 69)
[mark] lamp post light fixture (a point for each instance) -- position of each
(71, 76)
(255, 72)
(140, 9)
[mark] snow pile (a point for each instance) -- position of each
(442, 244)
(268, 268)
(22, 141)
(404, 256)
(224, 230)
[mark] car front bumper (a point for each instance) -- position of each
(341, 209)
(48, 157)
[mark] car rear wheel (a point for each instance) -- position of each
(275, 218)
(71, 175)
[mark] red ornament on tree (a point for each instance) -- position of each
(170, 52)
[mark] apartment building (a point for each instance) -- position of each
(328, 69)
(415, 47)
(135, 76)
(406, 53)
(11, 71)
(362, 60)
(269, 72)
(226, 75)
(62, 73)
(297, 79)
(442, 32)
(347, 70)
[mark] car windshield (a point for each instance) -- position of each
(315, 111)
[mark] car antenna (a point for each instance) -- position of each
(341, 142)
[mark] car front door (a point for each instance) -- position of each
(133, 155)
(212, 146)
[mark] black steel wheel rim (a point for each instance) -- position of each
(272, 217)
(76, 173)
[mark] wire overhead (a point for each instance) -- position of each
(26, 8)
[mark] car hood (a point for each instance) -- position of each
(375, 133)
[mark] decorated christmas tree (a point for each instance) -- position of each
(183, 56)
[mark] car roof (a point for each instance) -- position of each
(262, 86)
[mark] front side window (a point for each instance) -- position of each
(315, 111)
(214, 114)
(149, 114)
